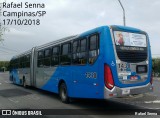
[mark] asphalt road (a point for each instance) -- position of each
(16, 97)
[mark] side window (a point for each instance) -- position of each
(40, 59)
(21, 62)
(40, 54)
(55, 56)
(83, 45)
(83, 51)
(56, 50)
(26, 62)
(47, 52)
(47, 57)
(75, 57)
(76, 46)
(66, 54)
(80, 51)
(93, 48)
(18, 63)
(10, 65)
(14, 64)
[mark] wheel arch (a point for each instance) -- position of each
(59, 83)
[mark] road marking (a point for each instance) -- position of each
(155, 101)
(34, 97)
(15, 101)
(7, 82)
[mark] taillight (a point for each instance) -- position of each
(108, 78)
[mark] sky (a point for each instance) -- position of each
(70, 17)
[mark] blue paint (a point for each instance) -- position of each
(16, 78)
(84, 88)
(75, 76)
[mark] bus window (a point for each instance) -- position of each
(66, 54)
(21, 62)
(93, 48)
(80, 52)
(24, 61)
(40, 58)
(18, 63)
(75, 49)
(83, 52)
(47, 57)
(47, 53)
(28, 61)
(56, 51)
(75, 46)
(83, 45)
(55, 56)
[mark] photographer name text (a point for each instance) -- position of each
(22, 13)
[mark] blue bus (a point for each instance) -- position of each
(102, 63)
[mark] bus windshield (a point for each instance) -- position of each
(130, 39)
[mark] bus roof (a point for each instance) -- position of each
(98, 29)
(126, 28)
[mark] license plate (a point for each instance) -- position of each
(125, 91)
(134, 78)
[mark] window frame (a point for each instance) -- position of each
(69, 53)
(79, 51)
(77, 47)
(56, 55)
(86, 49)
(39, 56)
(50, 52)
(58, 52)
(97, 41)
(47, 57)
(40, 59)
(97, 46)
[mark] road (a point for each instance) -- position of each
(16, 97)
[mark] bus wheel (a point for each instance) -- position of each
(63, 93)
(24, 83)
(12, 78)
(14, 81)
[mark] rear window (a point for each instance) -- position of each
(130, 39)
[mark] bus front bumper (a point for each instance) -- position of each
(122, 92)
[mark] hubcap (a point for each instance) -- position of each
(63, 93)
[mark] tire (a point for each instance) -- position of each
(11, 78)
(63, 93)
(14, 81)
(24, 83)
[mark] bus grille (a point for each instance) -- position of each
(132, 57)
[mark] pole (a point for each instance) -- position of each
(124, 18)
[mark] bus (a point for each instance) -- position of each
(102, 63)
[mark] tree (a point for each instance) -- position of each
(156, 66)
(4, 64)
(2, 31)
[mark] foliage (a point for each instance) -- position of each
(4, 64)
(156, 66)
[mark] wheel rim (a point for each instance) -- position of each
(24, 83)
(63, 94)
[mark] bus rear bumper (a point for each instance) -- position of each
(122, 92)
